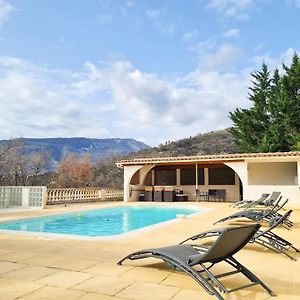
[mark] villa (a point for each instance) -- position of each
(229, 176)
(72, 249)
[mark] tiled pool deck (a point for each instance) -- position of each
(33, 267)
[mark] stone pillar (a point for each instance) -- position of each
(153, 177)
(206, 181)
(178, 177)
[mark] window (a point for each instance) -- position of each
(188, 176)
(165, 177)
(221, 176)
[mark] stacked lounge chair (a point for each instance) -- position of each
(260, 214)
(264, 200)
(242, 202)
(266, 238)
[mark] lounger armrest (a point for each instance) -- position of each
(205, 234)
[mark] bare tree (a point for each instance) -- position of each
(19, 168)
(37, 163)
(8, 162)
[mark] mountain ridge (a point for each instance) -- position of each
(59, 147)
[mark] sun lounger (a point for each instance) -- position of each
(270, 201)
(242, 202)
(266, 238)
(187, 257)
(273, 241)
(259, 214)
(263, 201)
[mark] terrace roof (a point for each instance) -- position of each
(209, 158)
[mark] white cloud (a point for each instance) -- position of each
(38, 102)
(189, 36)
(153, 13)
(237, 9)
(222, 58)
(5, 9)
(157, 109)
(232, 33)
(275, 62)
(117, 99)
(162, 21)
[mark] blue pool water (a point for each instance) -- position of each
(100, 222)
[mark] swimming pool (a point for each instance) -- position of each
(100, 222)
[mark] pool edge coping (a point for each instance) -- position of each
(56, 236)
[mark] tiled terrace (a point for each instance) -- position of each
(33, 267)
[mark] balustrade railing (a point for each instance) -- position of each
(39, 196)
(80, 195)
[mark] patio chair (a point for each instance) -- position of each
(187, 257)
(265, 238)
(259, 214)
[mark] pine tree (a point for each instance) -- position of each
(250, 124)
(273, 122)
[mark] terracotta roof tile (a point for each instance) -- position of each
(209, 157)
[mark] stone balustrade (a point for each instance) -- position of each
(79, 195)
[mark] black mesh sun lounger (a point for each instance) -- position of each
(264, 200)
(187, 257)
(270, 201)
(266, 238)
(242, 202)
(273, 241)
(259, 214)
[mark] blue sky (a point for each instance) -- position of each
(150, 70)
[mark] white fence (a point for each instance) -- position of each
(79, 195)
(40, 196)
(23, 196)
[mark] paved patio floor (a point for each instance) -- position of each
(38, 268)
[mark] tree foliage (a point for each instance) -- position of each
(273, 122)
(73, 172)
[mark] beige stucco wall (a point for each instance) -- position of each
(272, 173)
(276, 178)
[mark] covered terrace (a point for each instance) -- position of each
(225, 177)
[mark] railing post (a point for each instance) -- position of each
(103, 194)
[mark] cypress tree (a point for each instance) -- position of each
(250, 124)
(273, 122)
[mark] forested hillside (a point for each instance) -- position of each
(106, 173)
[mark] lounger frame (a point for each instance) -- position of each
(204, 277)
